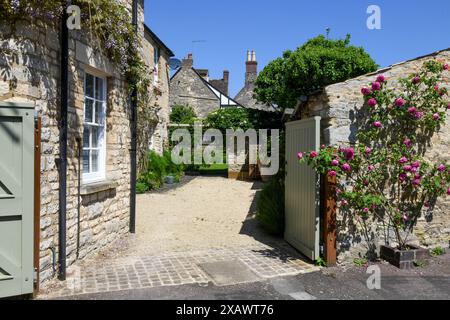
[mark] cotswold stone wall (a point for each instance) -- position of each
(186, 88)
(337, 104)
(160, 96)
(30, 72)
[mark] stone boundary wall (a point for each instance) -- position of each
(336, 105)
(30, 71)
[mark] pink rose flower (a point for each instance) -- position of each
(322, 146)
(403, 160)
(377, 124)
(415, 164)
(376, 86)
(436, 87)
(381, 78)
(372, 102)
(448, 191)
(436, 116)
(299, 156)
(407, 168)
(335, 163)
(349, 154)
(446, 66)
(416, 80)
(441, 168)
(416, 182)
(368, 150)
(402, 177)
(332, 173)
(366, 210)
(313, 154)
(413, 170)
(345, 202)
(448, 106)
(400, 102)
(418, 115)
(407, 143)
(412, 110)
(366, 91)
(405, 218)
(345, 167)
(371, 167)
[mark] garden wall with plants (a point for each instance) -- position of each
(343, 108)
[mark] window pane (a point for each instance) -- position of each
(94, 134)
(98, 112)
(94, 156)
(85, 161)
(99, 85)
(89, 85)
(88, 110)
(86, 137)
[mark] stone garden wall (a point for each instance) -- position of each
(336, 104)
(30, 71)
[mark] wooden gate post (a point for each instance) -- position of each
(37, 201)
(329, 221)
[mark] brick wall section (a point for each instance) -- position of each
(336, 105)
(29, 60)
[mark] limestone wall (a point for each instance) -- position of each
(30, 71)
(336, 105)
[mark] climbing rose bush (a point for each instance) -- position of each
(385, 178)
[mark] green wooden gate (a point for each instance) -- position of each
(16, 198)
(302, 189)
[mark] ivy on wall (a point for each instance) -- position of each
(109, 21)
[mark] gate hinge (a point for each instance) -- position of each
(35, 276)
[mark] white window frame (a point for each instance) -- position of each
(156, 57)
(99, 175)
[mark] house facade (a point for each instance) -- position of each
(245, 96)
(98, 147)
(156, 57)
(337, 106)
(192, 87)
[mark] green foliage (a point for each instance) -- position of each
(229, 118)
(359, 262)
(386, 179)
(182, 115)
(419, 263)
(438, 251)
(270, 206)
(320, 262)
(158, 168)
(317, 63)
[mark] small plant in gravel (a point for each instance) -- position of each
(320, 262)
(360, 262)
(438, 251)
(420, 264)
(386, 179)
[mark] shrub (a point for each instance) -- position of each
(438, 251)
(182, 114)
(270, 207)
(229, 118)
(141, 187)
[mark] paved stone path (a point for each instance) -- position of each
(175, 268)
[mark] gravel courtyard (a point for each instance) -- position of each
(199, 231)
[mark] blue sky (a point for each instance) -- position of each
(230, 27)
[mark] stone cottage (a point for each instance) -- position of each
(97, 209)
(245, 96)
(192, 87)
(156, 56)
(336, 104)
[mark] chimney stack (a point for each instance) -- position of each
(251, 67)
(188, 62)
(226, 76)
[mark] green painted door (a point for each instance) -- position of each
(302, 189)
(16, 198)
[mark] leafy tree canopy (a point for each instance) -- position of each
(317, 63)
(182, 114)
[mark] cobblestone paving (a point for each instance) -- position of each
(174, 268)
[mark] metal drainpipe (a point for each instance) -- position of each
(133, 137)
(64, 77)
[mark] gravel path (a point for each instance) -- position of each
(203, 213)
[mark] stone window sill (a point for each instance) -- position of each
(97, 187)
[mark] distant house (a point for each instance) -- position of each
(156, 56)
(245, 96)
(190, 86)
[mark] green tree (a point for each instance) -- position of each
(317, 63)
(182, 114)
